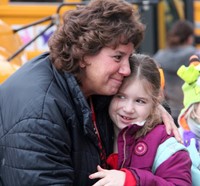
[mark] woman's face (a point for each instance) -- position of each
(104, 72)
(132, 104)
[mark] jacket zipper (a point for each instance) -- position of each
(124, 148)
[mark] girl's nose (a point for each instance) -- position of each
(128, 107)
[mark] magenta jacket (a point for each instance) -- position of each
(138, 157)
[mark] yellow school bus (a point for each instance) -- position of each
(171, 10)
(19, 13)
(25, 27)
(197, 22)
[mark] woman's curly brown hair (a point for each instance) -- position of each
(86, 30)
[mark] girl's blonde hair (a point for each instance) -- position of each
(143, 67)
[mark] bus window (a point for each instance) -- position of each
(169, 11)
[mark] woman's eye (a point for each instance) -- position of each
(117, 57)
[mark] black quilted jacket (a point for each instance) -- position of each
(46, 132)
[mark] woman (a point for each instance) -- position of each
(48, 134)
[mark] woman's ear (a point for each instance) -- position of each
(82, 64)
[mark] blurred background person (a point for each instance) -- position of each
(180, 39)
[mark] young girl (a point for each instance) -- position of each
(189, 117)
(139, 133)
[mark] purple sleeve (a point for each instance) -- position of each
(176, 170)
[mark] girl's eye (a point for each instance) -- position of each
(140, 101)
(120, 96)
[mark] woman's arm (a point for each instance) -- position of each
(37, 153)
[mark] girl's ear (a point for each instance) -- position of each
(161, 95)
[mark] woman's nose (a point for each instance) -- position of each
(125, 68)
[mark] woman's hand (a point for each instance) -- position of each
(169, 123)
(108, 177)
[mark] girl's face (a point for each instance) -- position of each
(131, 104)
(105, 71)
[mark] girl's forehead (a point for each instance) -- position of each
(135, 81)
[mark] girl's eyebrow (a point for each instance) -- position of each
(144, 98)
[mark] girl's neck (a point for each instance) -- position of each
(115, 147)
